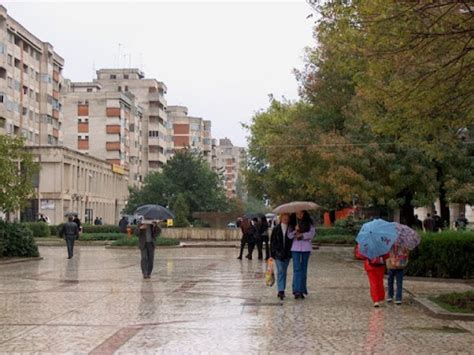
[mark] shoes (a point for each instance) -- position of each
(389, 300)
(69, 257)
(248, 256)
(281, 295)
(398, 303)
(146, 276)
(239, 257)
(376, 304)
(302, 296)
(299, 296)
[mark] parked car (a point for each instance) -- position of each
(232, 225)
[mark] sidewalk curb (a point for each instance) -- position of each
(438, 312)
(20, 260)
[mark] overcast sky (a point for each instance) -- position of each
(221, 59)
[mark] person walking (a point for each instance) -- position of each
(438, 222)
(375, 269)
(264, 239)
(123, 223)
(396, 263)
(97, 221)
(462, 222)
(78, 223)
(70, 232)
(258, 237)
(147, 234)
(417, 223)
(248, 237)
(429, 223)
(280, 247)
(302, 234)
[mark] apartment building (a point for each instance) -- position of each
(189, 132)
(106, 125)
(229, 161)
(150, 96)
(30, 83)
(70, 181)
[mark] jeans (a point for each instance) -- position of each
(300, 271)
(148, 257)
(282, 267)
(395, 274)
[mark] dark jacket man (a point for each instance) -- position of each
(70, 232)
(147, 234)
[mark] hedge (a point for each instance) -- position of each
(448, 254)
(323, 231)
(100, 236)
(133, 241)
(87, 228)
(39, 229)
(16, 240)
(334, 239)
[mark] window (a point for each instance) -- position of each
(24, 111)
(50, 139)
(10, 37)
(89, 89)
(25, 90)
(132, 127)
(17, 63)
(2, 122)
(126, 88)
(38, 56)
(37, 76)
(10, 83)
(119, 89)
(46, 78)
(25, 68)
(1, 97)
(37, 97)
(113, 76)
(10, 59)
(125, 76)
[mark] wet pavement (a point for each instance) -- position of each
(204, 300)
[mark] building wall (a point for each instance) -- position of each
(229, 160)
(70, 181)
(30, 82)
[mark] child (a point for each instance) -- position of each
(397, 261)
(375, 269)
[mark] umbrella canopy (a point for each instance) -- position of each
(376, 238)
(407, 237)
(74, 214)
(254, 215)
(296, 206)
(154, 212)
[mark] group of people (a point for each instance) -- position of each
(98, 221)
(290, 239)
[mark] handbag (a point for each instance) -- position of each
(270, 273)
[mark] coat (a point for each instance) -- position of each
(279, 250)
(69, 229)
(141, 233)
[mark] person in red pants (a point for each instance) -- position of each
(375, 269)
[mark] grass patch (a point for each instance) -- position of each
(456, 302)
(133, 242)
(335, 239)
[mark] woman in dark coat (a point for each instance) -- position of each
(263, 231)
(248, 237)
(280, 246)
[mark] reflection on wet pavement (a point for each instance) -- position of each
(203, 300)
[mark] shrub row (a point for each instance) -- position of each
(334, 239)
(87, 228)
(39, 229)
(101, 236)
(448, 254)
(16, 240)
(133, 241)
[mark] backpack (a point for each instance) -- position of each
(398, 258)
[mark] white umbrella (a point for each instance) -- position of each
(296, 206)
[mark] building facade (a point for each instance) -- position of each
(150, 96)
(228, 163)
(70, 181)
(30, 85)
(189, 132)
(106, 125)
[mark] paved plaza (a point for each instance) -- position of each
(205, 300)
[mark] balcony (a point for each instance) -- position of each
(56, 94)
(55, 133)
(156, 97)
(83, 110)
(112, 146)
(113, 129)
(55, 75)
(83, 127)
(156, 111)
(82, 144)
(156, 156)
(112, 112)
(56, 114)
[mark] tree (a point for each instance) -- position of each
(181, 211)
(17, 171)
(185, 174)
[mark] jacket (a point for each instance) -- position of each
(278, 250)
(69, 229)
(141, 233)
(306, 243)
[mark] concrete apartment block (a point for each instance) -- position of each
(106, 125)
(70, 181)
(30, 82)
(228, 163)
(189, 132)
(150, 95)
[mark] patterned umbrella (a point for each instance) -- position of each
(376, 238)
(407, 237)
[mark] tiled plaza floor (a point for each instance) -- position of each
(204, 300)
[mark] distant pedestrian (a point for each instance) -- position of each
(147, 234)
(258, 237)
(123, 223)
(70, 232)
(96, 221)
(375, 269)
(462, 222)
(302, 232)
(280, 246)
(264, 239)
(100, 221)
(396, 263)
(429, 223)
(438, 222)
(417, 223)
(248, 237)
(78, 223)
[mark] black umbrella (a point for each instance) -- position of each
(154, 212)
(254, 215)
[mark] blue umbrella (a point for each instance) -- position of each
(376, 238)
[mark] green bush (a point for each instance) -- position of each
(106, 228)
(323, 231)
(39, 229)
(350, 225)
(54, 229)
(100, 236)
(456, 302)
(448, 254)
(133, 241)
(334, 239)
(16, 240)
